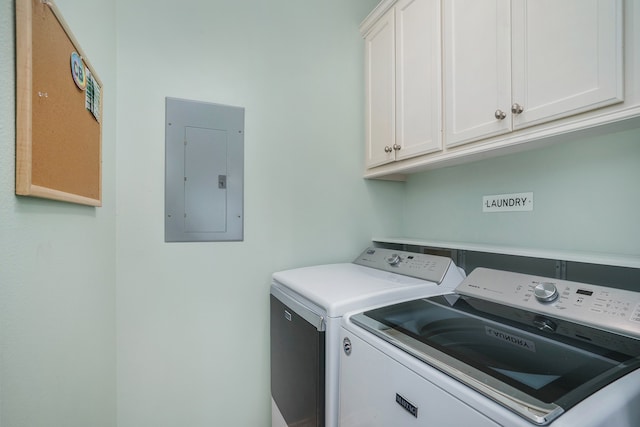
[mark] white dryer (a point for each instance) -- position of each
(307, 305)
(505, 349)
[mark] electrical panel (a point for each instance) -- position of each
(204, 171)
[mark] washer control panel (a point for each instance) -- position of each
(422, 266)
(611, 309)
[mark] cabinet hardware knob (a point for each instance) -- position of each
(517, 108)
(387, 149)
(397, 147)
(500, 115)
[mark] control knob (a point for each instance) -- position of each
(394, 260)
(545, 292)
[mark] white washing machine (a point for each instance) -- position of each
(504, 349)
(307, 305)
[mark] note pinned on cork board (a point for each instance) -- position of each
(58, 110)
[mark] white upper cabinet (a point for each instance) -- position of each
(380, 90)
(477, 69)
(418, 78)
(567, 57)
(403, 81)
(514, 64)
(453, 81)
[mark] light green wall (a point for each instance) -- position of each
(192, 319)
(297, 68)
(57, 263)
(585, 192)
(193, 337)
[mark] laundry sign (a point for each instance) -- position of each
(516, 202)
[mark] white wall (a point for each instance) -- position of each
(585, 195)
(57, 263)
(193, 337)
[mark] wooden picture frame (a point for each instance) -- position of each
(58, 110)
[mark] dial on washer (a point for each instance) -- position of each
(545, 292)
(394, 260)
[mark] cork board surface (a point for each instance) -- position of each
(59, 138)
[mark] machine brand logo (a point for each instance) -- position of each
(346, 345)
(512, 339)
(408, 406)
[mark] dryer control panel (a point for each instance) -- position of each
(422, 266)
(611, 309)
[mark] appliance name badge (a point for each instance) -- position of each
(511, 339)
(408, 406)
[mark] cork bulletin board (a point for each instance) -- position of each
(58, 110)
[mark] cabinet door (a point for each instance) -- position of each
(380, 79)
(418, 77)
(567, 57)
(477, 64)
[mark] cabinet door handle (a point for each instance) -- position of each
(516, 108)
(387, 149)
(397, 147)
(500, 115)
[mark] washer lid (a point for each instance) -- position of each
(537, 366)
(340, 288)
